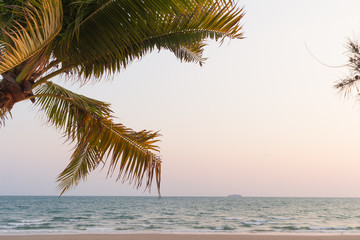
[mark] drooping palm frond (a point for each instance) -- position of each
(108, 35)
(190, 53)
(3, 116)
(88, 123)
(350, 85)
(43, 21)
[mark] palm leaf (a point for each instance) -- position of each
(88, 123)
(3, 116)
(111, 34)
(43, 20)
(190, 53)
(350, 85)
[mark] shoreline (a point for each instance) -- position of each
(181, 236)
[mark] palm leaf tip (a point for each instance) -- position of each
(3, 116)
(88, 123)
(134, 170)
(350, 85)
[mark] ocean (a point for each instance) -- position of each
(37, 215)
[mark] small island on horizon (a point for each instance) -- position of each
(234, 196)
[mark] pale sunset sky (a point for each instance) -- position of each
(260, 118)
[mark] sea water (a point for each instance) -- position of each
(29, 215)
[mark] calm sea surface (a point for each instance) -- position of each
(22, 215)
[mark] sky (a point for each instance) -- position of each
(260, 118)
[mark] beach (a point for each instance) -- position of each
(179, 237)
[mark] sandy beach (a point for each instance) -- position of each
(179, 237)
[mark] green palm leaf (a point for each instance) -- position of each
(43, 20)
(88, 123)
(114, 33)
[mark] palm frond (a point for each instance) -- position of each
(4, 113)
(350, 85)
(88, 123)
(112, 34)
(43, 20)
(190, 53)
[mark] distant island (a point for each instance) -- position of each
(234, 196)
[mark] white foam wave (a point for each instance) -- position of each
(7, 227)
(167, 223)
(327, 228)
(260, 220)
(26, 222)
(282, 218)
(231, 218)
(18, 224)
(36, 231)
(31, 221)
(253, 223)
(95, 229)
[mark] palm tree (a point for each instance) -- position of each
(350, 84)
(86, 40)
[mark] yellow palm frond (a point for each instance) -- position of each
(43, 21)
(3, 116)
(88, 123)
